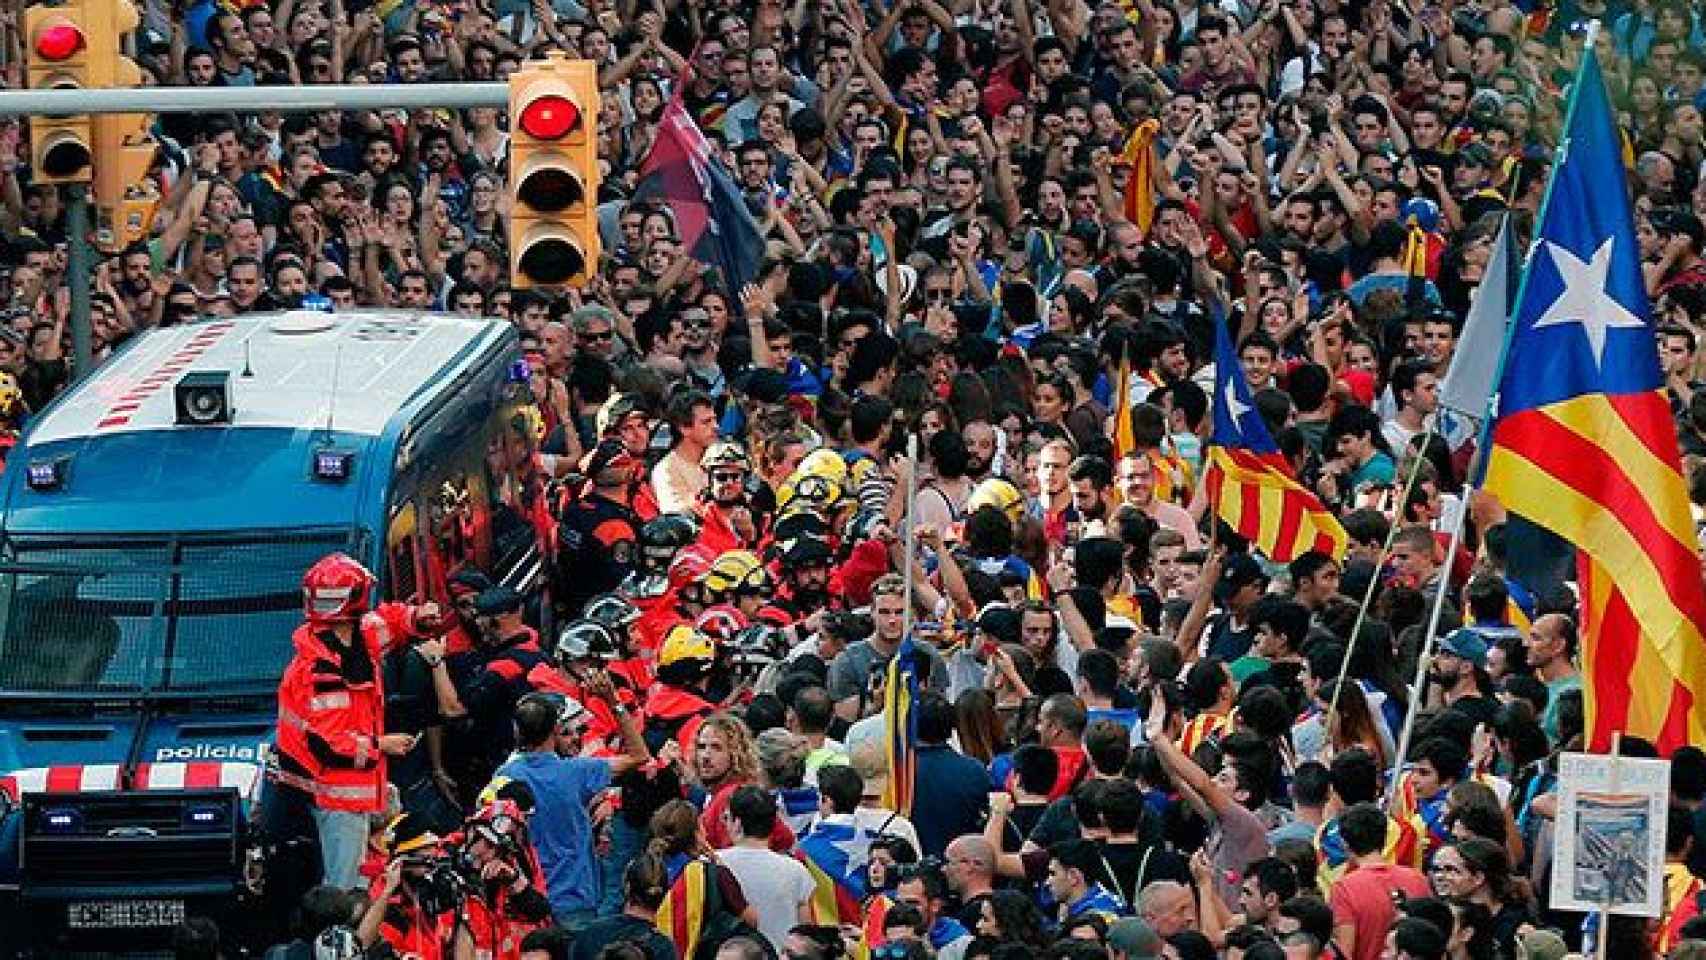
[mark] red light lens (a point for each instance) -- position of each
(549, 118)
(58, 42)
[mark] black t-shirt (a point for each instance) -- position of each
(1477, 708)
(1126, 860)
(1227, 643)
(621, 929)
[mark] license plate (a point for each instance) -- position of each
(119, 914)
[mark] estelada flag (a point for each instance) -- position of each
(1249, 482)
(711, 217)
(1584, 444)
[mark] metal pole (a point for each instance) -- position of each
(1426, 652)
(911, 526)
(309, 99)
(78, 275)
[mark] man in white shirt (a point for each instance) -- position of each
(678, 479)
(780, 888)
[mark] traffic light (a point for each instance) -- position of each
(553, 168)
(61, 147)
(125, 198)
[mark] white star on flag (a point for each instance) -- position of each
(1234, 407)
(1584, 299)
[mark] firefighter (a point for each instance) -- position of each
(725, 505)
(738, 578)
(419, 919)
(619, 615)
(509, 900)
(676, 704)
(624, 419)
(585, 648)
(806, 564)
(598, 532)
(331, 746)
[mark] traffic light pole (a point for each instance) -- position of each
(78, 276)
(308, 99)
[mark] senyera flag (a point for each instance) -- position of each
(900, 734)
(711, 217)
(1584, 444)
(1249, 482)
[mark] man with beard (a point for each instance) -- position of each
(508, 650)
(1456, 672)
(1091, 480)
(806, 563)
(725, 514)
(979, 436)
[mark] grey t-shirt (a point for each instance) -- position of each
(850, 671)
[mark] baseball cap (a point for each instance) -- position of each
(1134, 938)
(1466, 643)
(1542, 945)
(1241, 570)
(499, 599)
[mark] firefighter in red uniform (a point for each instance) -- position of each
(331, 744)
(725, 512)
(596, 538)
(509, 900)
(584, 648)
(624, 418)
(676, 703)
(420, 915)
(617, 614)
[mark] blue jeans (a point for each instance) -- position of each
(343, 841)
(626, 843)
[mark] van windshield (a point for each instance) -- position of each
(184, 614)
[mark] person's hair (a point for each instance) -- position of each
(742, 948)
(1418, 939)
(535, 721)
(1311, 784)
(1018, 919)
(1077, 854)
(1067, 711)
(646, 881)
(1288, 619)
(935, 718)
(1274, 876)
(754, 809)
(1446, 756)
(979, 725)
(682, 407)
(1312, 914)
(743, 756)
(674, 829)
(1492, 862)
(842, 785)
(1488, 598)
(1355, 776)
(813, 709)
(1100, 671)
(1363, 828)
(1036, 768)
(1204, 681)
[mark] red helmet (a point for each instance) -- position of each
(336, 589)
(690, 566)
(720, 623)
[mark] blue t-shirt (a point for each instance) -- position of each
(562, 832)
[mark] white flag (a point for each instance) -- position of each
(1475, 363)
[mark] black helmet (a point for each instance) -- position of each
(585, 639)
(755, 648)
(613, 611)
(660, 539)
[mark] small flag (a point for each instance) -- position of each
(1125, 436)
(1140, 183)
(1468, 382)
(900, 693)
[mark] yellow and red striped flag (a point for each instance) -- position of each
(1140, 184)
(1584, 444)
(1249, 482)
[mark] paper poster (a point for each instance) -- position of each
(1610, 839)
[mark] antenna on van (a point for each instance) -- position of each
(332, 404)
(248, 370)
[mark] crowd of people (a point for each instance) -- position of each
(1133, 735)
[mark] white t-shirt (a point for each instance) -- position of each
(775, 885)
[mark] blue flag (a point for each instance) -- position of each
(711, 217)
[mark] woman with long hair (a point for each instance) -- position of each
(1352, 723)
(978, 726)
(678, 842)
(1479, 870)
(1008, 916)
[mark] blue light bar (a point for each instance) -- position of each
(334, 466)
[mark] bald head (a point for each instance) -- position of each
(1168, 908)
(971, 866)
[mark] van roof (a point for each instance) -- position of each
(282, 368)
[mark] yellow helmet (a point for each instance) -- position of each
(682, 642)
(733, 570)
(1000, 494)
(489, 794)
(530, 421)
(824, 463)
(11, 398)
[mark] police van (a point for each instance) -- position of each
(157, 520)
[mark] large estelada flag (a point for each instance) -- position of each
(1584, 444)
(900, 727)
(1249, 482)
(711, 215)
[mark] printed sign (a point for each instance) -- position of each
(1610, 850)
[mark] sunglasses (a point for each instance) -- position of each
(728, 476)
(599, 335)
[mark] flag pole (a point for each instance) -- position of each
(1374, 579)
(911, 531)
(1413, 709)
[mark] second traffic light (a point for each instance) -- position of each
(554, 175)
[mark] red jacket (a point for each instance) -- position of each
(331, 714)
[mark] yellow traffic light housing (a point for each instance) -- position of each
(554, 175)
(61, 148)
(125, 199)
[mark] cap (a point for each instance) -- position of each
(1241, 571)
(468, 580)
(407, 833)
(499, 599)
(1134, 938)
(1477, 154)
(1465, 643)
(608, 455)
(1542, 945)
(999, 621)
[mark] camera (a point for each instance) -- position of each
(448, 879)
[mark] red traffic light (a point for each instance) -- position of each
(59, 41)
(550, 117)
